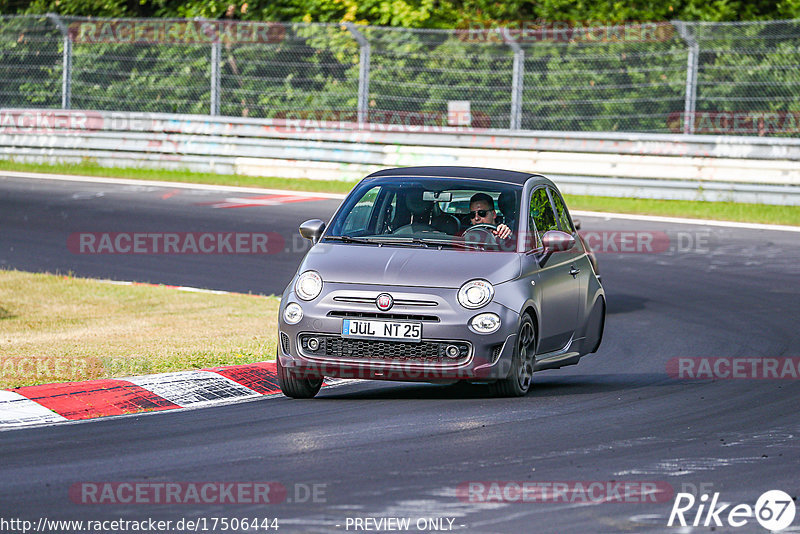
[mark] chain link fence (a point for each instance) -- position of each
(667, 77)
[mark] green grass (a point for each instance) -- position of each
(60, 328)
(728, 211)
(723, 211)
(93, 169)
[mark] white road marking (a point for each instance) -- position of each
(244, 190)
(154, 183)
(191, 388)
(16, 410)
(681, 220)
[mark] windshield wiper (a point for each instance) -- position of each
(454, 244)
(349, 239)
(410, 240)
(388, 240)
(379, 240)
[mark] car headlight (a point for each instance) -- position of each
(293, 313)
(485, 323)
(475, 294)
(308, 285)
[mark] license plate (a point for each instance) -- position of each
(382, 330)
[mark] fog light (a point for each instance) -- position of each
(293, 313)
(485, 323)
(313, 343)
(452, 351)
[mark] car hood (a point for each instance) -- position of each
(408, 266)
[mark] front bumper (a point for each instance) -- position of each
(482, 357)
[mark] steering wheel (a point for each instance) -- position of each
(484, 228)
(414, 228)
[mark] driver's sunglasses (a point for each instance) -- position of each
(478, 213)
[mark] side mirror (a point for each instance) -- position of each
(577, 223)
(312, 230)
(555, 241)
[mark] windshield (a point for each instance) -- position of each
(443, 212)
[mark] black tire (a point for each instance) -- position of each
(294, 386)
(595, 325)
(518, 382)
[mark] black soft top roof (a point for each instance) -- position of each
(479, 173)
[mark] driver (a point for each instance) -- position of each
(481, 211)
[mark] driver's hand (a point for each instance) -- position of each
(502, 231)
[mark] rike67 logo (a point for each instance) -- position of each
(774, 510)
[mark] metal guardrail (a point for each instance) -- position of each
(728, 78)
(740, 169)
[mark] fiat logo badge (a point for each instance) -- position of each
(384, 301)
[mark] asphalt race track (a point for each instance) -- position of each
(38, 218)
(395, 450)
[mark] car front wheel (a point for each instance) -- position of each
(295, 386)
(519, 379)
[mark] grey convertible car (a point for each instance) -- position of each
(414, 279)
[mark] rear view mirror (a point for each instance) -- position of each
(312, 229)
(437, 196)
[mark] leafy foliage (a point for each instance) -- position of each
(568, 84)
(418, 13)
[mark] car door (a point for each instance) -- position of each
(580, 260)
(556, 281)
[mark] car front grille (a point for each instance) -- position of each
(384, 316)
(337, 347)
(397, 302)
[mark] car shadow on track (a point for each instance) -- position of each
(543, 387)
(621, 303)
